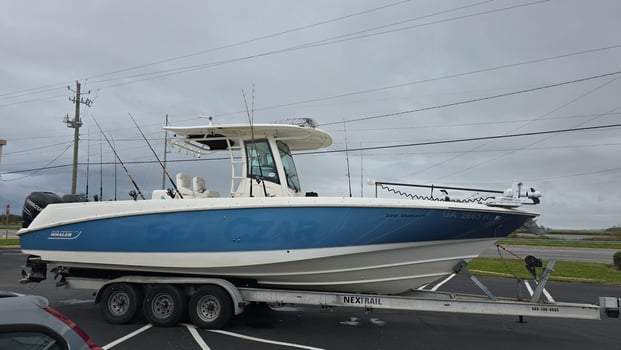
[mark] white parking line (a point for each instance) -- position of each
(122, 339)
(548, 296)
(545, 292)
(265, 340)
(437, 286)
(529, 288)
(199, 340)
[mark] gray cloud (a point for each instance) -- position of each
(50, 45)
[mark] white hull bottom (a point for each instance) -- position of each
(381, 269)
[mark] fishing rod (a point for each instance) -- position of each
(254, 146)
(156, 157)
(120, 161)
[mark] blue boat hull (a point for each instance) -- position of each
(338, 248)
(252, 229)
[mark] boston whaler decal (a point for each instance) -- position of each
(64, 234)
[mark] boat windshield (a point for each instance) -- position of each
(289, 166)
(261, 162)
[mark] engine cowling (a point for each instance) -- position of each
(35, 203)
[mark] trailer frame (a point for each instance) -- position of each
(214, 301)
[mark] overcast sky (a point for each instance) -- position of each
(374, 73)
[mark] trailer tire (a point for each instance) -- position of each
(210, 307)
(120, 302)
(164, 305)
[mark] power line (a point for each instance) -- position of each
(33, 100)
(452, 104)
(52, 87)
(608, 144)
(29, 91)
(380, 88)
(472, 166)
(427, 143)
(573, 100)
(456, 75)
(328, 41)
(434, 79)
(158, 140)
(470, 139)
(110, 163)
(595, 172)
(351, 36)
(37, 148)
(487, 122)
(34, 171)
(243, 42)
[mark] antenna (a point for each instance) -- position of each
(347, 157)
(250, 116)
(115, 178)
(252, 110)
(165, 151)
(361, 173)
(100, 170)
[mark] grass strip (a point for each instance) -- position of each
(9, 242)
(563, 270)
(610, 231)
(550, 243)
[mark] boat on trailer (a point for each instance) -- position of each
(268, 232)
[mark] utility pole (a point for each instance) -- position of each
(75, 123)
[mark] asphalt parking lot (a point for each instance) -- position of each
(297, 327)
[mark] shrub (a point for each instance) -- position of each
(617, 260)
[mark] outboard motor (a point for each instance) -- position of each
(35, 203)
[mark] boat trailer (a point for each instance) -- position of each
(221, 294)
(434, 301)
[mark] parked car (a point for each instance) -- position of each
(27, 322)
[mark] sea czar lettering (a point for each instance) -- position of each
(361, 300)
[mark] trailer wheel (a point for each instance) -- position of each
(120, 302)
(210, 307)
(164, 305)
